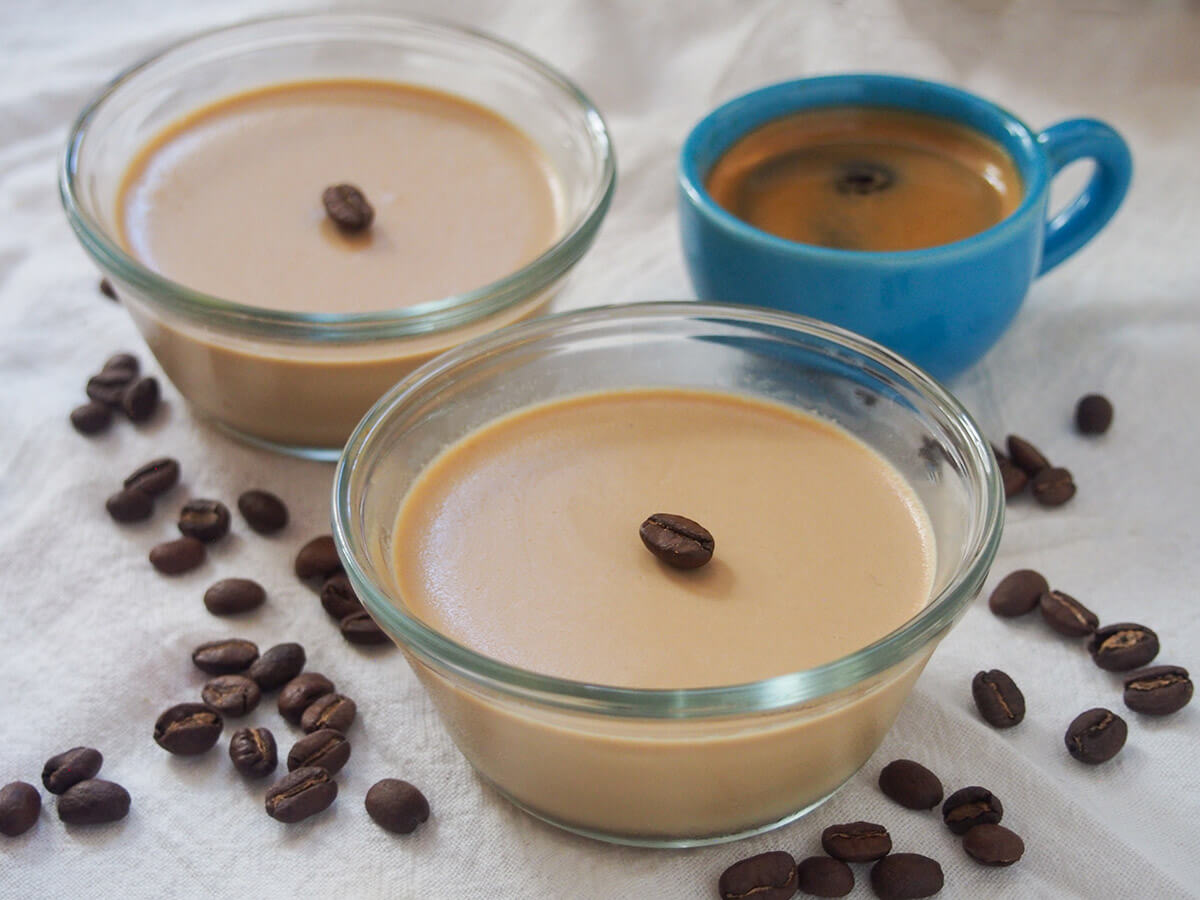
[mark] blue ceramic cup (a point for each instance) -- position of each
(942, 307)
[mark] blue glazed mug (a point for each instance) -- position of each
(942, 307)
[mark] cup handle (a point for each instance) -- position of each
(1079, 221)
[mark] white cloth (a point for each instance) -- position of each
(93, 644)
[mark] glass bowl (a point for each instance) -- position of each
(300, 382)
(672, 767)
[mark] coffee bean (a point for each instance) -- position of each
(993, 845)
(204, 520)
(1066, 615)
(998, 699)
(856, 841)
(1013, 477)
(326, 748)
(820, 876)
(347, 207)
(971, 806)
(338, 597)
(1053, 486)
(70, 767)
(1093, 414)
(107, 289)
(299, 693)
(1025, 456)
(318, 558)
(253, 751)
(1096, 736)
(278, 666)
(20, 806)
(399, 807)
(178, 556)
(360, 628)
(231, 695)
(906, 876)
(767, 876)
(263, 511)
(910, 784)
(108, 387)
(124, 362)
(334, 711)
(93, 802)
(1158, 691)
(677, 541)
(155, 477)
(1017, 593)
(225, 657)
(140, 399)
(91, 417)
(187, 729)
(303, 793)
(230, 596)
(1124, 646)
(129, 505)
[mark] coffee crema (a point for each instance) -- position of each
(867, 178)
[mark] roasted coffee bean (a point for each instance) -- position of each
(971, 806)
(303, 793)
(204, 520)
(1093, 414)
(178, 556)
(338, 597)
(862, 178)
(1159, 690)
(821, 876)
(1096, 736)
(1124, 646)
(129, 505)
(1066, 615)
(299, 693)
(263, 511)
(326, 748)
(993, 845)
(906, 876)
(20, 806)
(1025, 456)
(140, 399)
(910, 784)
(278, 666)
(1053, 486)
(71, 767)
(107, 289)
(124, 362)
(230, 596)
(231, 695)
(1014, 478)
(155, 477)
(225, 657)
(360, 628)
(347, 207)
(253, 751)
(399, 807)
(187, 729)
(91, 418)
(767, 876)
(93, 802)
(677, 541)
(998, 699)
(108, 387)
(856, 841)
(334, 711)
(1017, 593)
(318, 558)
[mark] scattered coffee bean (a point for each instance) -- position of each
(347, 207)
(1053, 486)
(1096, 736)
(1124, 646)
(856, 841)
(178, 556)
(107, 289)
(998, 699)
(124, 362)
(225, 657)
(1018, 593)
(91, 417)
(334, 711)
(20, 806)
(971, 806)
(204, 520)
(155, 477)
(338, 597)
(677, 541)
(129, 505)
(140, 399)
(360, 628)
(299, 693)
(767, 876)
(278, 666)
(910, 784)
(230, 596)
(1025, 456)
(993, 845)
(906, 876)
(1066, 615)
(326, 748)
(108, 387)
(263, 511)
(231, 695)
(318, 558)
(303, 793)
(1093, 414)
(93, 802)
(71, 767)
(399, 807)
(253, 752)
(1014, 477)
(1158, 691)
(187, 729)
(821, 876)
